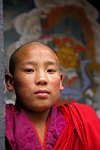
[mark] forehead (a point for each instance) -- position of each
(38, 53)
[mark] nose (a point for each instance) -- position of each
(41, 78)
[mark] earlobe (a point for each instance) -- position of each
(61, 86)
(9, 82)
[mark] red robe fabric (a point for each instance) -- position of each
(82, 131)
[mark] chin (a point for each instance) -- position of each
(42, 108)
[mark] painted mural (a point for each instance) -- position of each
(71, 29)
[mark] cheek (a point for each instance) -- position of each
(55, 90)
(56, 83)
(21, 85)
(22, 90)
(23, 80)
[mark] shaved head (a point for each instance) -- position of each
(15, 56)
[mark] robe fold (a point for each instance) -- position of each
(72, 127)
(82, 131)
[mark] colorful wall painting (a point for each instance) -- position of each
(71, 29)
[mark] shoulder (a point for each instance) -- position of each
(9, 116)
(82, 108)
(9, 132)
(9, 113)
(81, 111)
(9, 108)
(86, 122)
(77, 107)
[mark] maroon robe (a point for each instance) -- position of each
(72, 127)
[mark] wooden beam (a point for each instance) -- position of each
(2, 95)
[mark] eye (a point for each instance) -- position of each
(51, 70)
(29, 70)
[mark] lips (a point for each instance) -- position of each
(42, 93)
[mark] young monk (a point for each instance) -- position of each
(35, 123)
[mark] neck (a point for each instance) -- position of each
(38, 118)
(35, 116)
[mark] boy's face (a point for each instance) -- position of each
(37, 79)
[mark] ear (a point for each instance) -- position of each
(61, 81)
(9, 82)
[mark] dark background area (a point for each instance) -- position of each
(96, 3)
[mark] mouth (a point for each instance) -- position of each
(42, 93)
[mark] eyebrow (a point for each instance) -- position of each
(35, 63)
(30, 63)
(51, 63)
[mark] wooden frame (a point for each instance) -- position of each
(2, 95)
